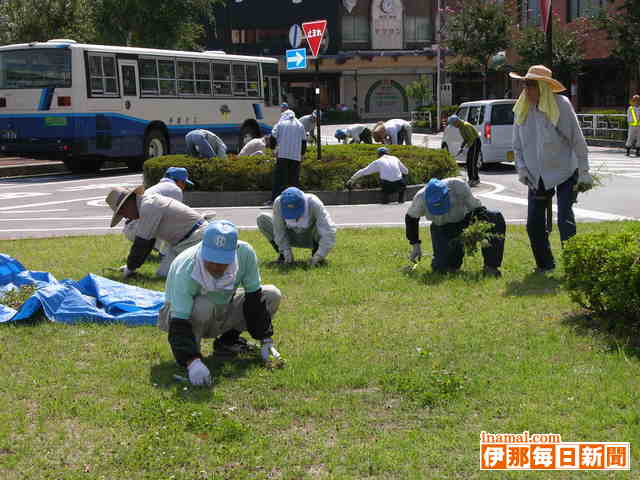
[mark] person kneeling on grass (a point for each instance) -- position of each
(299, 220)
(391, 171)
(214, 290)
(451, 207)
(354, 134)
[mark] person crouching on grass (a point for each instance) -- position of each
(391, 171)
(214, 290)
(451, 207)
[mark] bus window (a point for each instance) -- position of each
(186, 82)
(35, 68)
(203, 79)
(222, 79)
(253, 81)
(148, 76)
(102, 75)
(167, 77)
(129, 88)
(239, 79)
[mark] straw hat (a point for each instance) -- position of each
(542, 74)
(116, 199)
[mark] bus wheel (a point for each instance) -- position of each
(247, 133)
(155, 144)
(83, 165)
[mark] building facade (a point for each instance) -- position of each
(372, 49)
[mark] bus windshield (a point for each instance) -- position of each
(35, 68)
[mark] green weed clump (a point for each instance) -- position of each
(15, 298)
(338, 163)
(476, 236)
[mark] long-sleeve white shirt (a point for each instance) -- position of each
(319, 220)
(461, 201)
(354, 132)
(289, 134)
(253, 147)
(166, 187)
(549, 152)
(393, 128)
(389, 167)
(309, 123)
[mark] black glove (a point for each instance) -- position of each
(480, 213)
(273, 143)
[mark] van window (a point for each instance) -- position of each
(502, 114)
(462, 113)
(476, 115)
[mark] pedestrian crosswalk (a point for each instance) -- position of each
(614, 163)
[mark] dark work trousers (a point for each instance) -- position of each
(536, 219)
(286, 174)
(472, 160)
(389, 188)
(449, 253)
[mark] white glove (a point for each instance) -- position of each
(416, 253)
(315, 260)
(288, 256)
(199, 373)
(525, 178)
(267, 349)
(126, 273)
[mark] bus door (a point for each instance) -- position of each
(132, 133)
(129, 82)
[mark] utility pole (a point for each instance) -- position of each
(549, 37)
(438, 73)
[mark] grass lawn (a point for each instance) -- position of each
(389, 374)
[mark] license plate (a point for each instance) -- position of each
(509, 156)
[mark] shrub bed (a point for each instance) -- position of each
(603, 272)
(338, 163)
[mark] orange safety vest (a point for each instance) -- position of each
(634, 117)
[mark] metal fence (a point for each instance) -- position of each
(423, 117)
(606, 127)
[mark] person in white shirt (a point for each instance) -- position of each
(205, 144)
(633, 120)
(391, 171)
(550, 154)
(309, 124)
(354, 134)
(257, 146)
(299, 220)
(289, 136)
(394, 132)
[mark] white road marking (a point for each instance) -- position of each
(15, 207)
(14, 195)
(39, 211)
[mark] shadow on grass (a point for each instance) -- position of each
(436, 278)
(533, 284)
(296, 265)
(619, 333)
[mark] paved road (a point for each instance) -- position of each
(74, 204)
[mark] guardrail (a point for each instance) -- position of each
(605, 127)
(422, 117)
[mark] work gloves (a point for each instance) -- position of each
(315, 260)
(288, 256)
(267, 350)
(416, 253)
(126, 273)
(585, 181)
(199, 374)
(525, 177)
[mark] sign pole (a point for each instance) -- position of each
(316, 96)
(549, 37)
(314, 31)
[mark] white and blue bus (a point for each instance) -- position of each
(89, 103)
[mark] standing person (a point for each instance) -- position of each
(633, 120)
(391, 171)
(551, 154)
(290, 137)
(354, 134)
(394, 132)
(299, 220)
(214, 290)
(451, 207)
(470, 139)
(160, 218)
(309, 124)
(257, 146)
(205, 144)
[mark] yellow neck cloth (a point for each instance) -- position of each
(547, 104)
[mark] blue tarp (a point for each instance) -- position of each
(91, 299)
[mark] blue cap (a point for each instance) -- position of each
(219, 242)
(340, 133)
(452, 119)
(436, 196)
(382, 151)
(178, 173)
(292, 203)
(284, 105)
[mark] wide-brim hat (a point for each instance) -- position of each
(542, 74)
(117, 198)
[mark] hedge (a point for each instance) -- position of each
(603, 272)
(338, 163)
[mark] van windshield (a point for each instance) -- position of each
(35, 68)
(502, 114)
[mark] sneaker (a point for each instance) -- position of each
(474, 183)
(238, 347)
(491, 272)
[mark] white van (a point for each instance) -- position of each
(494, 121)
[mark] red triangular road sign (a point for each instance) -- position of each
(314, 31)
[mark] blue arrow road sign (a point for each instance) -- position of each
(297, 59)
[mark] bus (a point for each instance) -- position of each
(85, 104)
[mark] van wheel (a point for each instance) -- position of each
(155, 144)
(247, 133)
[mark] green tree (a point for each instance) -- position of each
(477, 30)
(622, 25)
(420, 90)
(568, 48)
(154, 23)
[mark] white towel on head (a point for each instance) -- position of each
(209, 283)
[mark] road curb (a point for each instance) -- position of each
(32, 169)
